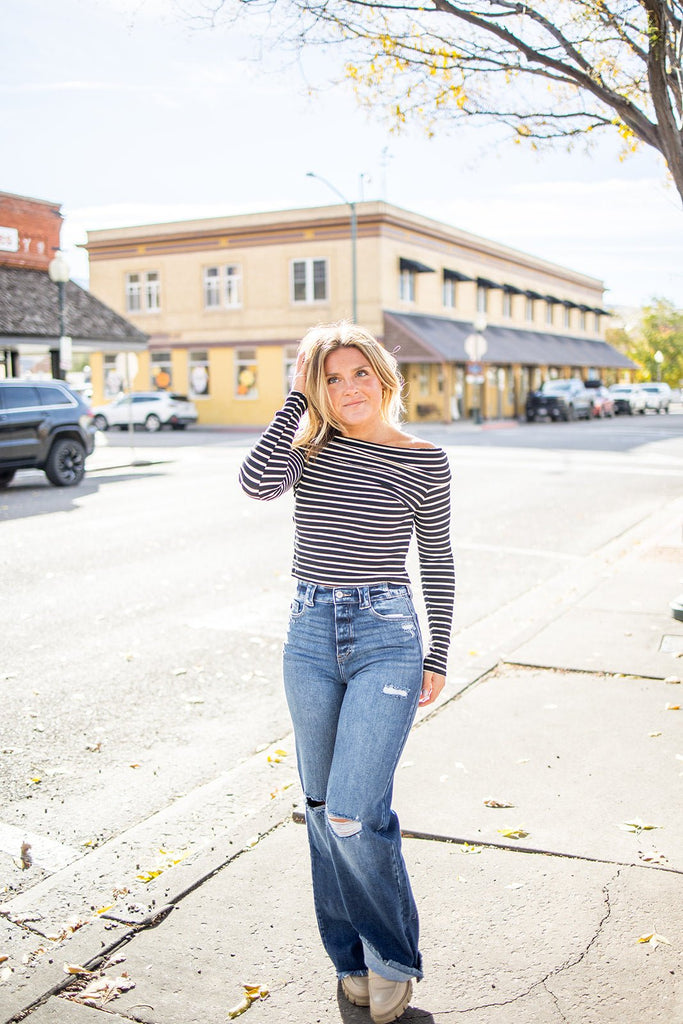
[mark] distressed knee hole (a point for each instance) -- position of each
(344, 827)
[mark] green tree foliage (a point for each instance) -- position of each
(547, 69)
(660, 329)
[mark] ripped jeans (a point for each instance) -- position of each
(353, 674)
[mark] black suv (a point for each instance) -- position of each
(44, 425)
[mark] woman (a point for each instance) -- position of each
(354, 670)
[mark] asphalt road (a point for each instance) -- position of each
(144, 610)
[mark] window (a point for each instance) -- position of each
(549, 312)
(482, 298)
(406, 285)
(597, 323)
(223, 286)
(567, 318)
(424, 374)
(132, 293)
(507, 304)
(199, 373)
(309, 280)
(161, 371)
(449, 293)
(143, 292)
(529, 309)
(246, 373)
(289, 366)
(212, 287)
(112, 379)
(21, 397)
(582, 320)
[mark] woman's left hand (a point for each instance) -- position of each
(432, 685)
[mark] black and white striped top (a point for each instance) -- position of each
(356, 503)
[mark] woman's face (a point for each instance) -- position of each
(354, 390)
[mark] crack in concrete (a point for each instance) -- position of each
(543, 982)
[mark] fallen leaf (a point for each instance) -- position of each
(637, 826)
(654, 734)
(26, 858)
(672, 707)
(36, 780)
(169, 860)
(496, 803)
(135, 765)
(252, 993)
(77, 969)
(179, 671)
(103, 989)
(470, 848)
(3, 958)
(513, 833)
(654, 940)
(515, 885)
(672, 680)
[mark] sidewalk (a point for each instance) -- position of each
(563, 712)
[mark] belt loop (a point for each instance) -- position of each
(364, 597)
(409, 589)
(310, 594)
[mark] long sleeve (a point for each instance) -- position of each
(437, 572)
(273, 466)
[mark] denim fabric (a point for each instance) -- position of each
(353, 674)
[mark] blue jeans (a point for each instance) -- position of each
(353, 674)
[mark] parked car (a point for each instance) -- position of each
(603, 403)
(628, 398)
(559, 400)
(44, 425)
(657, 396)
(149, 409)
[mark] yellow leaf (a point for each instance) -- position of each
(103, 910)
(77, 969)
(496, 803)
(654, 939)
(669, 707)
(470, 848)
(251, 994)
(654, 734)
(513, 833)
(637, 826)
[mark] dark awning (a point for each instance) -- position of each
(553, 299)
(533, 295)
(483, 282)
(435, 339)
(414, 266)
(512, 290)
(601, 312)
(455, 275)
(29, 315)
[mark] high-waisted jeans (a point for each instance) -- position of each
(353, 674)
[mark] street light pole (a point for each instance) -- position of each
(354, 235)
(659, 359)
(58, 271)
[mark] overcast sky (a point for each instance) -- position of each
(126, 113)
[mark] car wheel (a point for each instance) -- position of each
(530, 418)
(100, 422)
(6, 477)
(178, 426)
(152, 423)
(642, 412)
(65, 464)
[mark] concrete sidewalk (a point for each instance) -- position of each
(531, 913)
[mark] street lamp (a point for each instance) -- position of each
(352, 207)
(58, 271)
(659, 359)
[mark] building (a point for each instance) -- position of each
(474, 324)
(37, 314)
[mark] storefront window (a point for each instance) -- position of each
(199, 373)
(246, 373)
(161, 371)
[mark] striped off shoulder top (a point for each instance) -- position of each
(356, 505)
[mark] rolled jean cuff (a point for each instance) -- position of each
(390, 970)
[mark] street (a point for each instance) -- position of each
(143, 714)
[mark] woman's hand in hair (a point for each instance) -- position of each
(432, 685)
(299, 379)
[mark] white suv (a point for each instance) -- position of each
(149, 409)
(657, 396)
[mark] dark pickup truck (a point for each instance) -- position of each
(559, 400)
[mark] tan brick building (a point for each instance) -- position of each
(226, 300)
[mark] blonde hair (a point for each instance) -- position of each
(320, 425)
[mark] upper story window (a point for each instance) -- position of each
(582, 320)
(507, 304)
(449, 292)
(482, 298)
(223, 287)
(309, 280)
(597, 322)
(529, 309)
(567, 317)
(549, 311)
(406, 285)
(143, 292)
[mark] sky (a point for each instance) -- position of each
(131, 112)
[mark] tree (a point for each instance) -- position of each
(547, 69)
(660, 329)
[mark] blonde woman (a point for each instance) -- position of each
(354, 667)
